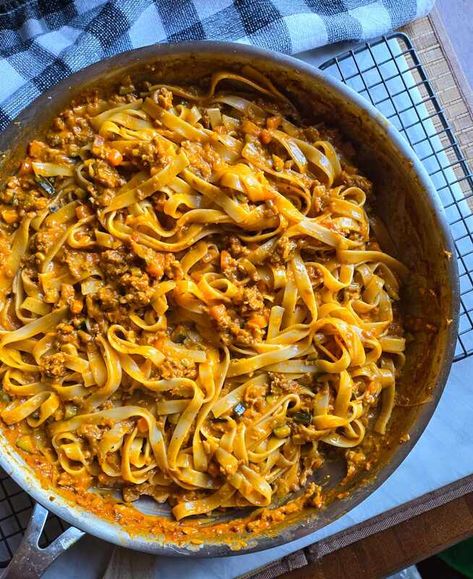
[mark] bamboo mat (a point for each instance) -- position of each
(438, 58)
(437, 55)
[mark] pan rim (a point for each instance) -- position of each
(12, 462)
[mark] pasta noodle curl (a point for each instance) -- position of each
(194, 306)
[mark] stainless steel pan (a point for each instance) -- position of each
(406, 201)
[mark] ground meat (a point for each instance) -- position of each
(283, 250)
(203, 157)
(43, 240)
(103, 174)
(228, 264)
(357, 181)
(312, 134)
(92, 433)
(70, 128)
(163, 97)
(115, 262)
(316, 277)
(255, 396)
(65, 333)
(24, 193)
(53, 366)
(249, 300)
(134, 492)
(280, 385)
(182, 368)
(310, 463)
(108, 298)
(99, 149)
(79, 262)
(67, 295)
(137, 288)
(101, 196)
(41, 151)
(229, 327)
(158, 264)
(235, 246)
(356, 461)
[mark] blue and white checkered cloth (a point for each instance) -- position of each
(44, 41)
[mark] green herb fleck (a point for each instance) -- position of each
(302, 418)
(4, 397)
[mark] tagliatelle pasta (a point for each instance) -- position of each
(194, 307)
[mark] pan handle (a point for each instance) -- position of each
(30, 561)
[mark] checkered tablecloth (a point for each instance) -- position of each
(44, 41)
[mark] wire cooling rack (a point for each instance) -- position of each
(388, 73)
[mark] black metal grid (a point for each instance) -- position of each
(373, 70)
(15, 512)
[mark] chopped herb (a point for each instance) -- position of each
(4, 397)
(239, 409)
(46, 185)
(179, 335)
(302, 418)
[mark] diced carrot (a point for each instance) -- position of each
(250, 128)
(82, 211)
(10, 216)
(217, 312)
(142, 425)
(225, 259)
(76, 306)
(258, 321)
(26, 167)
(155, 268)
(265, 137)
(114, 157)
(36, 149)
(273, 122)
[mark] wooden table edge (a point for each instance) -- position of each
(396, 539)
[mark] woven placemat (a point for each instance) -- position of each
(438, 58)
(435, 51)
